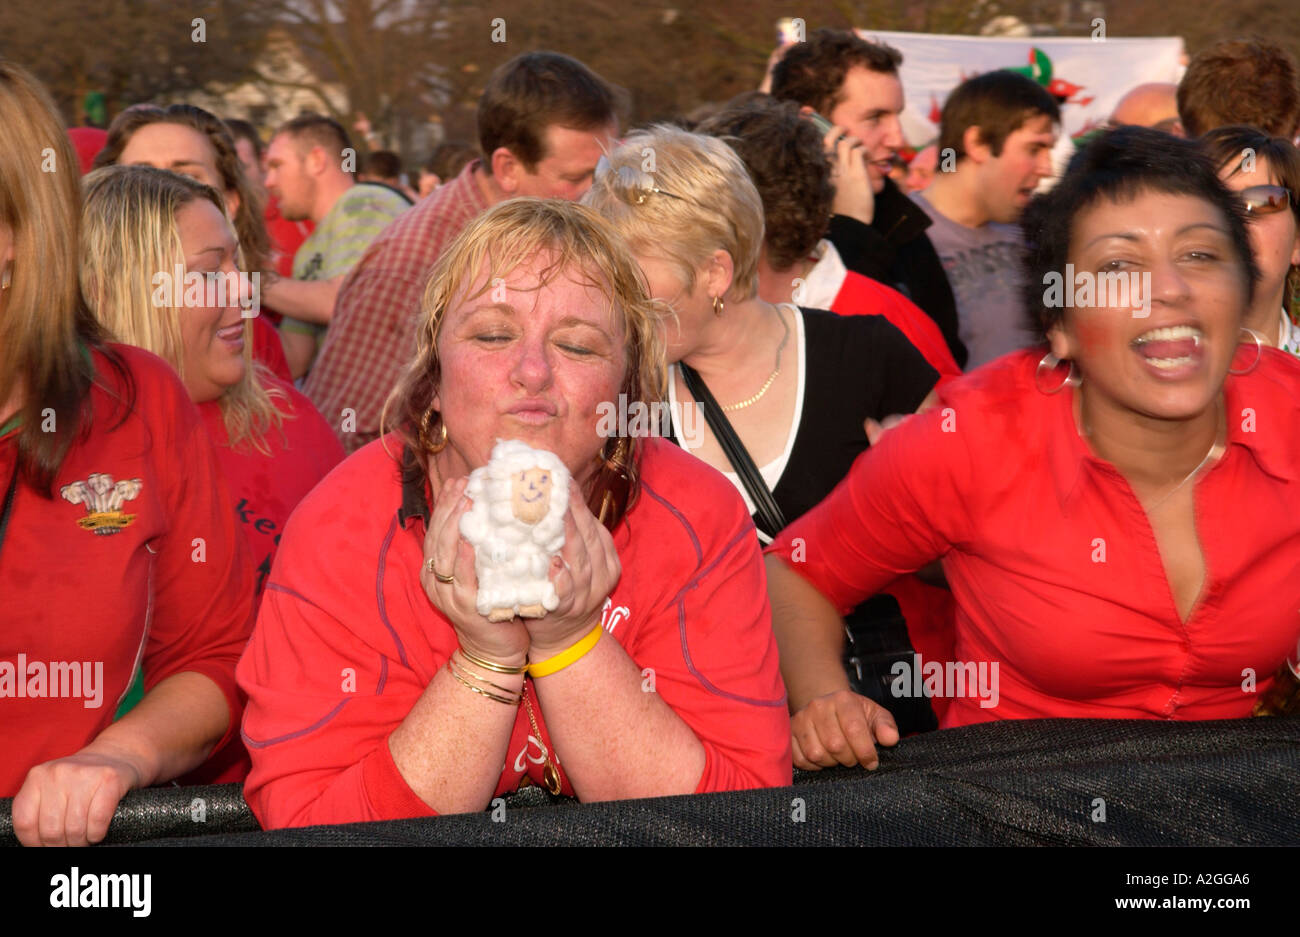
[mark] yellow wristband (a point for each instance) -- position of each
(563, 659)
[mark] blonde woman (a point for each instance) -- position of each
(792, 386)
(160, 272)
(106, 483)
(656, 674)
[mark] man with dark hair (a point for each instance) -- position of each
(544, 121)
(783, 152)
(444, 163)
(1241, 81)
(995, 138)
(384, 167)
(286, 236)
(854, 84)
(309, 172)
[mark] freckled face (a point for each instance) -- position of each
(213, 336)
(529, 363)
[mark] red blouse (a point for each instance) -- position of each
(1052, 561)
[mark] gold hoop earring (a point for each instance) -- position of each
(1259, 351)
(718, 305)
(430, 447)
(1050, 362)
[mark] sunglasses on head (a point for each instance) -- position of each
(1265, 199)
(631, 184)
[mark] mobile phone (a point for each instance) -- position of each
(821, 123)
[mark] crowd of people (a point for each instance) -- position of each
(244, 381)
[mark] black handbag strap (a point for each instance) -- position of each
(770, 519)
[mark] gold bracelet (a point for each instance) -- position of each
(490, 665)
(566, 657)
(479, 678)
(482, 692)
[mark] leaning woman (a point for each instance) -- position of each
(109, 493)
(376, 689)
(1109, 508)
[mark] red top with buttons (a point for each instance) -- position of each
(1051, 559)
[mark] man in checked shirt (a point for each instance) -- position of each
(544, 121)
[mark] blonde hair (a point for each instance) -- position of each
(576, 240)
(129, 235)
(710, 204)
(46, 325)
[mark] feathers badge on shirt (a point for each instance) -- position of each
(103, 499)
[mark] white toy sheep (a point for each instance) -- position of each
(516, 525)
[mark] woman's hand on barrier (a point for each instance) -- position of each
(584, 575)
(504, 642)
(70, 801)
(840, 728)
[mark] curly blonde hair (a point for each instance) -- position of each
(576, 240)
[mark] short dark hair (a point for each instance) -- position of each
(1118, 166)
(783, 152)
(317, 130)
(385, 164)
(449, 158)
(1241, 81)
(534, 91)
(812, 73)
(999, 103)
(241, 129)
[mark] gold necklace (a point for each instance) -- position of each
(749, 401)
(550, 773)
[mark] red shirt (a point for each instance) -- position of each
(268, 350)
(371, 337)
(266, 488)
(286, 236)
(859, 295)
(158, 573)
(346, 593)
(1052, 561)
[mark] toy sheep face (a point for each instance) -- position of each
(530, 495)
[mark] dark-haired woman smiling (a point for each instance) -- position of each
(1115, 514)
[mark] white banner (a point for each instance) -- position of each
(1086, 76)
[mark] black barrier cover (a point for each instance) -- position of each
(1062, 782)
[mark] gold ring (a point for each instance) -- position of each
(429, 565)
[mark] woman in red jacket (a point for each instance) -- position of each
(117, 542)
(376, 689)
(1115, 514)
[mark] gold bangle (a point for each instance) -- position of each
(479, 678)
(563, 659)
(482, 692)
(490, 665)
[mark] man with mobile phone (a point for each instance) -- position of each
(878, 231)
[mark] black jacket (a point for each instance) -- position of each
(895, 250)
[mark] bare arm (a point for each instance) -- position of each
(830, 724)
(306, 300)
(618, 740)
(70, 801)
